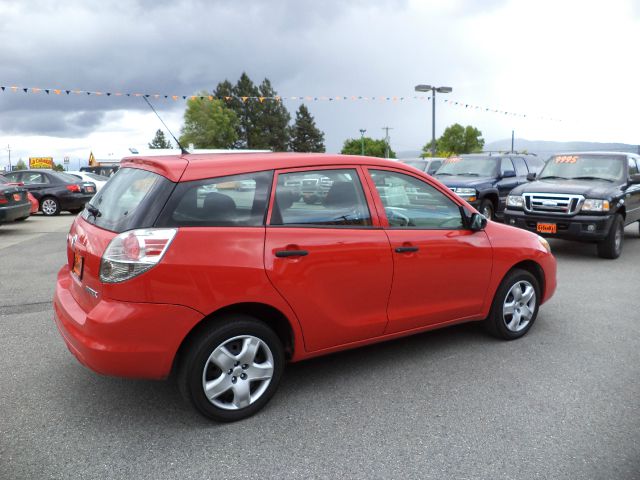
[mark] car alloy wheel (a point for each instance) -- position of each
(238, 372)
(49, 206)
(519, 306)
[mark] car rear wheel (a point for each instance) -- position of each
(486, 209)
(232, 369)
(515, 305)
(611, 246)
(50, 206)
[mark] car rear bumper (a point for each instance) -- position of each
(124, 339)
(10, 213)
(583, 228)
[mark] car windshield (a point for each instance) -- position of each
(65, 177)
(415, 163)
(473, 166)
(584, 167)
(97, 177)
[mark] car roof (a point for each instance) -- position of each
(206, 165)
(602, 152)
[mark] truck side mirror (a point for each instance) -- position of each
(634, 179)
(531, 176)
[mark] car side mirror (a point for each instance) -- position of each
(634, 179)
(478, 222)
(531, 176)
(508, 174)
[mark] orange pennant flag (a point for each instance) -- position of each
(175, 97)
(210, 97)
(57, 92)
(36, 90)
(15, 89)
(244, 99)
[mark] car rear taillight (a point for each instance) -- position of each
(73, 188)
(3, 200)
(134, 252)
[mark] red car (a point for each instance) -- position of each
(169, 271)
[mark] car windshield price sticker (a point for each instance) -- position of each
(566, 159)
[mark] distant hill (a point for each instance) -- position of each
(545, 148)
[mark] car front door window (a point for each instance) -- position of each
(412, 203)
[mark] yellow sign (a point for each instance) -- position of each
(41, 162)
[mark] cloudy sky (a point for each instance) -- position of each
(570, 66)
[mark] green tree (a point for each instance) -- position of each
(20, 165)
(305, 136)
(160, 141)
(372, 148)
(209, 123)
(262, 124)
(57, 167)
(272, 122)
(457, 139)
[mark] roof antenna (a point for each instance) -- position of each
(182, 149)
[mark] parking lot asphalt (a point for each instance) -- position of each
(561, 403)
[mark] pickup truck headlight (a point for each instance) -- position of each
(515, 201)
(469, 194)
(595, 205)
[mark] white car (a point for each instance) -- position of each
(99, 180)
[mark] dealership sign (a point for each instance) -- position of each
(41, 162)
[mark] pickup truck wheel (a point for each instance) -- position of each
(232, 369)
(486, 209)
(515, 305)
(611, 246)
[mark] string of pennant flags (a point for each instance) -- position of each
(261, 99)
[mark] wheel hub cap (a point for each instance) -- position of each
(518, 306)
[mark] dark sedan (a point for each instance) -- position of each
(14, 204)
(56, 191)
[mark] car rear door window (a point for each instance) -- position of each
(32, 178)
(633, 167)
(332, 198)
(412, 203)
(236, 200)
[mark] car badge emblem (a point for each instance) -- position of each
(74, 239)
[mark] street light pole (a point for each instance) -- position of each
(9, 150)
(433, 90)
(362, 131)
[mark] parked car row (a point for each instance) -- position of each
(581, 196)
(55, 191)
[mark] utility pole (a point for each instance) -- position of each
(362, 132)
(512, 133)
(386, 141)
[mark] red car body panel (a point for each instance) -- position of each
(351, 290)
(35, 204)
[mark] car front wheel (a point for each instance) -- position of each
(486, 209)
(611, 246)
(232, 369)
(515, 305)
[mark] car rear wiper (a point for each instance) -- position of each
(590, 177)
(93, 210)
(469, 174)
(444, 173)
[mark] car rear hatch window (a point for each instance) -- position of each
(132, 198)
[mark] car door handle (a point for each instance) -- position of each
(406, 249)
(291, 253)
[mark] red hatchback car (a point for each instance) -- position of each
(215, 268)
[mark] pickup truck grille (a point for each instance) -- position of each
(554, 203)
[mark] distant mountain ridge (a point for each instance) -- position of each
(543, 148)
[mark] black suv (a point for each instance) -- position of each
(485, 179)
(584, 196)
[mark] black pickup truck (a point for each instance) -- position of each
(485, 179)
(583, 196)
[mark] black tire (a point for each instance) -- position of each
(195, 368)
(487, 209)
(50, 206)
(611, 246)
(510, 327)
